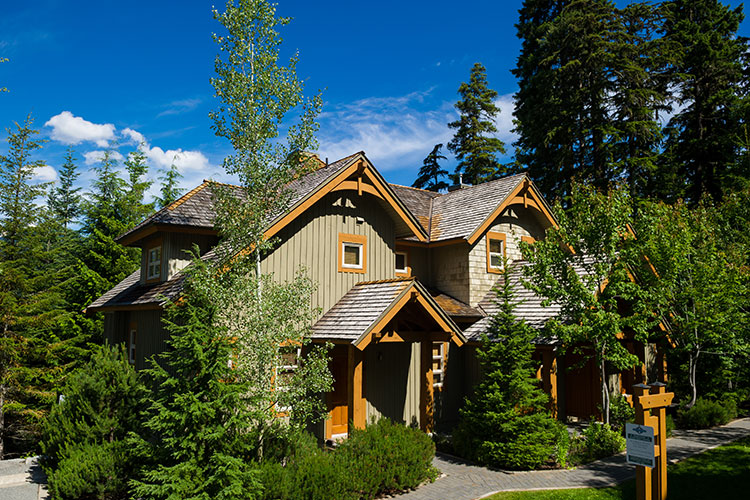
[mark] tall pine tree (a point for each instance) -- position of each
(64, 200)
(169, 190)
(473, 142)
(431, 175)
(707, 76)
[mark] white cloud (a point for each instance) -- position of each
(504, 121)
(133, 136)
(45, 173)
(70, 129)
(179, 107)
(393, 131)
(93, 157)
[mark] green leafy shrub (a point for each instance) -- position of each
(670, 425)
(598, 441)
(83, 435)
(707, 413)
(620, 412)
(382, 458)
(562, 445)
(90, 471)
(386, 457)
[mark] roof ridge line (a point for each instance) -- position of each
(185, 197)
(416, 189)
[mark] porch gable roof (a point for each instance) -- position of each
(369, 306)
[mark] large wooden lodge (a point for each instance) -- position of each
(405, 281)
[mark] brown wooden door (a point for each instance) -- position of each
(582, 387)
(338, 398)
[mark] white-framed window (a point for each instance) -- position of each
(153, 264)
(288, 364)
(402, 262)
(352, 253)
(131, 345)
(438, 364)
(495, 251)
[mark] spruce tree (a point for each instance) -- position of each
(137, 185)
(84, 437)
(430, 175)
(64, 200)
(169, 191)
(197, 439)
(707, 76)
(473, 144)
(506, 422)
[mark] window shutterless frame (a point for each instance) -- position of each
(402, 263)
(495, 251)
(352, 253)
(153, 263)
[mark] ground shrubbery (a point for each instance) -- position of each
(86, 455)
(382, 458)
(597, 441)
(707, 413)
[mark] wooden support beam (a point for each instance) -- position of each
(426, 401)
(660, 477)
(642, 474)
(357, 404)
(549, 379)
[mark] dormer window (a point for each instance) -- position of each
(153, 265)
(402, 263)
(495, 251)
(352, 253)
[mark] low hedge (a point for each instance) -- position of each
(382, 458)
(706, 413)
(597, 441)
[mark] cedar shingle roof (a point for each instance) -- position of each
(457, 214)
(360, 309)
(196, 208)
(529, 306)
(418, 201)
(130, 291)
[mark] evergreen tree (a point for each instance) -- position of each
(707, 76)
(84, 438)
(430, 174)
(17, 193)
(472, 142)
(197, 440)
(64, 200)
(137, 185)
(20, 392)
(169, 191)
(639, 97)
(506, 423)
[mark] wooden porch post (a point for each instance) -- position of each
(549, 379)
(357, 405)
(426, 402)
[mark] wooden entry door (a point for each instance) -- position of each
(582, 387)
(338, 398)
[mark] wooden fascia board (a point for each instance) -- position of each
(150, 229)
(416, 292)
(443, 243)
(132, 307)
(530, 197)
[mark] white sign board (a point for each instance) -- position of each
(639, 440)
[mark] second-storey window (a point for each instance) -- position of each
(352, 253)
(154, 263)
(495, 251)
(288, 364)
(402, 263)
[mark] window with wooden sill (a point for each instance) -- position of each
(352, 253)
(496, 243)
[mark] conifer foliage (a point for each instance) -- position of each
(506, 422)
(473, 143)
(86, 454)
(431, 174)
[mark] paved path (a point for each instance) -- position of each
(21, 480)
(463, 481)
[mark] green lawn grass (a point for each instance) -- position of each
(720, 473)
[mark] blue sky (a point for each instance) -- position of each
(94, 71)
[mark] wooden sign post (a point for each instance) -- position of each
(652, 484)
